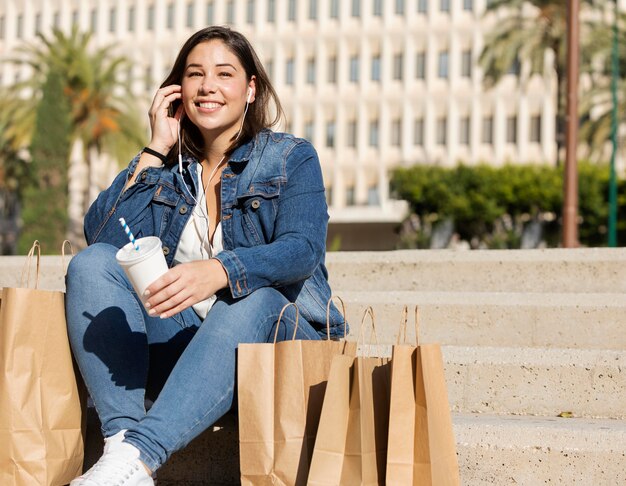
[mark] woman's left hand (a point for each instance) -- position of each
(184, 285)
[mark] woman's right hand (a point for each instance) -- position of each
(164, 127)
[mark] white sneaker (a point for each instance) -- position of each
(118, 466)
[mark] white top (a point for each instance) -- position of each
(195, 245)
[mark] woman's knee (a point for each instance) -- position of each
(92, 261)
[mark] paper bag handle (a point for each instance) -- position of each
(403, 321)
(280, 316)
(26, 268)
(65, 243)
(343, 313)
(369, 311)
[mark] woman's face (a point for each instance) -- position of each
(214, 89)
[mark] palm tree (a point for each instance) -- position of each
(523, 34)
(597, 103)
(104, 120)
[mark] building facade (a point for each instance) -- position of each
(374, 84)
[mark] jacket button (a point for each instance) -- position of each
(143, 176)
(166, 250)
(256, 203)
(183, 210)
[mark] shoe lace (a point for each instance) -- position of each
(112, 470)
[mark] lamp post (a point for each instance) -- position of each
(612, 226)
(570, 199)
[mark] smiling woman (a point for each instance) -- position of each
(242, 217)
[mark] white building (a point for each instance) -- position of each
(374, 84)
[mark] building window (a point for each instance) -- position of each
(398, 67)
(2, 25)
(418, 132)
(334, 9)
(442, 131)
(269, 68)
(271, 11)
(377, 9)
(442, 70)
(464, 131)
(350, 199)
(93, 20)
(352, 133)
(20, 26)
(289, 74)
(330, 134)
(312, 9)
(354, 69)
(396, 133)
(422, 6)
(56, 20)
(37, 23)
(131, 19)
(468, 5)
(535, 129)
(515, 67)
(308, 130)
(332, 70)
(356, 8)
(511, 129)
(148, 79)
(420, 65)
(488, 130)
(170, 17)
(210, 13)
(466, 63)
(112, 20)
(444, 5)
(373, 129)
(190, 15)
(230, 12)
(75, 18)
(291, 11)
(250, 12)
(376, 68)
(310, 71)
(399, 7)
(372, 196)
(150, 20)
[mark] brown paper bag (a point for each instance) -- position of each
(280, 393)
(40, 413)
(422, 448)
(351, 444)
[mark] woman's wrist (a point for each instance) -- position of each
(162, 156)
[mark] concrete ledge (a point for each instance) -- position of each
(531, 450)
(520, 319)
(535, 381)
(554, 270)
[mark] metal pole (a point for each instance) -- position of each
(570, 199)
(612, 230)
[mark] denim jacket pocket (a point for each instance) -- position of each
(258, 208)
(165, 201)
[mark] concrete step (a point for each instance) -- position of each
(491, 450)
(551, 270)
(536, 381)
(533, 451)
(516, 319)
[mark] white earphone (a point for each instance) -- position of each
(249, 97)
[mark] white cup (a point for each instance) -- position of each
(143, 266)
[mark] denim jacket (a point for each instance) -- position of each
(273, 213)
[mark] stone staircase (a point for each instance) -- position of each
(534, 346)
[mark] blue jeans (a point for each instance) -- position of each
(186, 365)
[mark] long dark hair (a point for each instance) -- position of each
(259, 115)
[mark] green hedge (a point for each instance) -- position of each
(490, 205)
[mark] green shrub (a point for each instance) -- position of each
(490, 205)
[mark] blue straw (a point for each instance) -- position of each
(129, 234)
